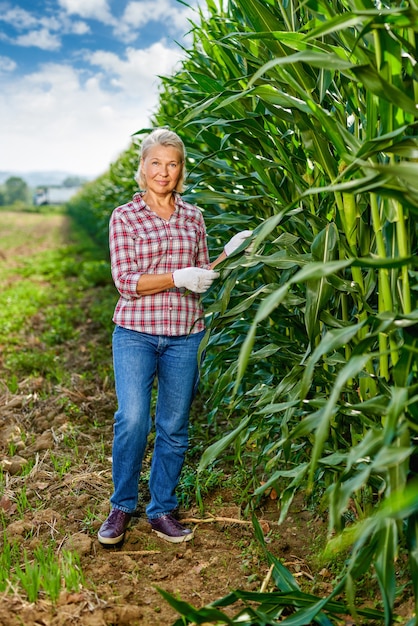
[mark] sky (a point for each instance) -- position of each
(79, 77)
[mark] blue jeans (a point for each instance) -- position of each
(138, 359)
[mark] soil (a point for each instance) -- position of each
(42, 422)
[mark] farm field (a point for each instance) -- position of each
(299, 121)
(57, 404)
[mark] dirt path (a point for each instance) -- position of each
(63, 430)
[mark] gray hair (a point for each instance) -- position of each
(162, 137)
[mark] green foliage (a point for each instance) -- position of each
(15, 192)
(25, 207)
(262, 609)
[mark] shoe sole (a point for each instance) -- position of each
(110, 541)
(180, 539)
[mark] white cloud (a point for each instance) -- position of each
(89, 9)
(18, 18)
(7, 64)
(42, 32)
(138, 13)
(79, 28)
(139, 69)
(21, 20)
(45, 31)
(55, 116)
(42, 38)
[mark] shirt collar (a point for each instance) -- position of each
(140, 203)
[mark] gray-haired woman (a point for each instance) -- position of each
(160, 266)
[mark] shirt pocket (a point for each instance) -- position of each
(187, 240)
(148, 247)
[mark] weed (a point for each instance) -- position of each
(60, 465)
(69, 407)
(33, 362)
(195, 486)
(89, 520)
(8, 556)
(50, 572)
(101, 452)
(27, 467)
(45, 572)
(22, 301)
(11, 448)
(71, 571)
(62, 323)
(102, 311)
(29, 576)
(22, 502)
(95, 273)
(69, 440)
(13, 384)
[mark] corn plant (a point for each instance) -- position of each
(300, 121)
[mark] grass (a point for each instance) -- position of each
(37, 291)
(47, 297)
(47, 571)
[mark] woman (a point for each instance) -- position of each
(160, 265)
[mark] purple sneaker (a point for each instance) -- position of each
(168, 528)
(113, 529)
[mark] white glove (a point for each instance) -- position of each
(236, 241)
(195, 279)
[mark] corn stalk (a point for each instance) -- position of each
(301, 118)
(300, 123)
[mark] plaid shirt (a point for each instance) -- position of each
(141, 242)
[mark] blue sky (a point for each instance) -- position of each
(78, 77)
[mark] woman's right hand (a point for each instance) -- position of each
(195, 279)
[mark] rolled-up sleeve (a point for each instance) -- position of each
(124, 266)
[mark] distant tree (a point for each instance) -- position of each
(2, 196)
(16, 189)
(73, 181)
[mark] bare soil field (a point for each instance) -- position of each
(63, 429)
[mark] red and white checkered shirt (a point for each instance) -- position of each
(141, 242)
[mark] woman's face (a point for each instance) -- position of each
(161, 169)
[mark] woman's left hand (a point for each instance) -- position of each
(235, 242)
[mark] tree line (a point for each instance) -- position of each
(15, 191)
